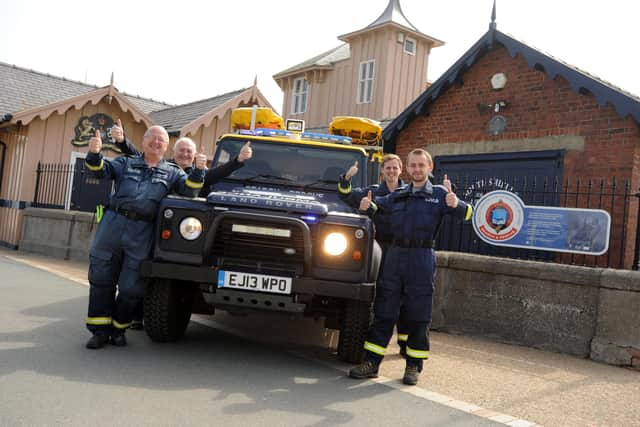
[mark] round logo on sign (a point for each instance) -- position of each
(498, 216)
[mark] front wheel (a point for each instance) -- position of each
(356, 320)
(167, 309)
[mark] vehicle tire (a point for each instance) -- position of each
(167, 309)
(356, 320)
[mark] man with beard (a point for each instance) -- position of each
(410, 265)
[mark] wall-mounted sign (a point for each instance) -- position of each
(502, 219)
(87, 126)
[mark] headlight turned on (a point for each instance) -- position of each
(335, 244)
(190, 228)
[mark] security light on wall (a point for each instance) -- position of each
(400, 37)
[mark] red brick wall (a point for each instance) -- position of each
(538, 107)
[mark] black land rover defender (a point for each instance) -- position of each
(273, 236)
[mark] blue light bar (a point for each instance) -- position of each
(329, 138)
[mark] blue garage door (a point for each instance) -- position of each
(535, 176)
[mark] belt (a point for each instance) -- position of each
(136, 216)
(409, 243)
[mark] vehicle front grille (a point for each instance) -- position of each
(257, 247)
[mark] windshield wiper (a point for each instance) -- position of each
(267, 176)
(319, 181)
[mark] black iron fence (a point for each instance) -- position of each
(52, 185)
(612, 195)
(63, 185)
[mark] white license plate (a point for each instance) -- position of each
(254, 282)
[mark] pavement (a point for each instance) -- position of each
(513, 385)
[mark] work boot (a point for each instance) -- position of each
(411, 373)
(367, 369)
(97, 341)
(118, 340)
(137, 325)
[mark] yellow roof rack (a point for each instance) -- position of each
(265, 118)
(363, 131)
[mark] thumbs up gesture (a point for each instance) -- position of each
(246, 152)
(353, 171)
(451, 199)
(365, 203)
(95, 143)
(117, 131)
(201, 161)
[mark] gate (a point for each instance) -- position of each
(88, 192)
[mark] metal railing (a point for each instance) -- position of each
(53, 185)
(65, 186)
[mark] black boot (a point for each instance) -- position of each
(367, 369)
(411, 374)
(119, 340)
(97, 341)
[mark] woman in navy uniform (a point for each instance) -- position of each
(391, 171)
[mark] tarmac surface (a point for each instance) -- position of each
(514, 385)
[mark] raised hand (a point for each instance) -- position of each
(353, 171)
(365, 203)
(201, 161)
(117, 131)
(95, 143)
(246, 152)
(451, 199)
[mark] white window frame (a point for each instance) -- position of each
(366, 79)
(413, 42)
(299, 95)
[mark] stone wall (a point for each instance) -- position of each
(57, 233)
(587, 312)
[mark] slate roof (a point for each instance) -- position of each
(21, 89)
(174, 118)
(624, 102)
(327, 58)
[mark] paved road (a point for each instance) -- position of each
(213, 377)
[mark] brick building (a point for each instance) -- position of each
(506, 112)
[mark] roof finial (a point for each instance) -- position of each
(492, 26)
(255, 80)
(493, 16)
(111, 81)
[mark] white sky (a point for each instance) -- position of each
(186, 50)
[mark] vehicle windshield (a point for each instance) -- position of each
(299, 165)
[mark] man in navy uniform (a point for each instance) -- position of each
(391, 171)
(125, 235)
(410, 265)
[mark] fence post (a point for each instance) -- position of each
(35, 196)
(636, 256)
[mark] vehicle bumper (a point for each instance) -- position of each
(301, 285)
